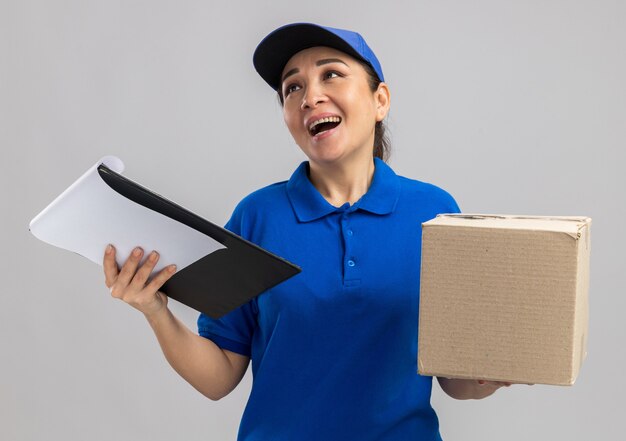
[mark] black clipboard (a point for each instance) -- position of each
(221, 281)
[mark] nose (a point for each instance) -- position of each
(313, 96)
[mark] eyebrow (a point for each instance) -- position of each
(317, 63)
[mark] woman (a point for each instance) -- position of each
(334, 348)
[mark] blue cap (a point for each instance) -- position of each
(273, 53)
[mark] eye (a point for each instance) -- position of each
(291, 88)
(331, 74)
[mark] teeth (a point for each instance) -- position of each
(324, 120)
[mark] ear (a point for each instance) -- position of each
(383, 101)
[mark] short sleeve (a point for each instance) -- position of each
(454, 207)
(444, 201)
(235, 330)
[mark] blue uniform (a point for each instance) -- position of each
(334, 348)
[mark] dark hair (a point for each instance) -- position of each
(382, 145)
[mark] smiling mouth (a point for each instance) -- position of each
(323, 125)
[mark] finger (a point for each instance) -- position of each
(110, 266)
(162, 276)
(129, 268)
(144, 271)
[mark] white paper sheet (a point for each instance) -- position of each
(90, 214)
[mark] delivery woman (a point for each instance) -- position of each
(334, 348)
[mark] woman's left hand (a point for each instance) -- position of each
(470, 389)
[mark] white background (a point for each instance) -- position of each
(512, 106)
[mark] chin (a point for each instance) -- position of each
(326, 157)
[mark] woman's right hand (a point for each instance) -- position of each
(131, 283)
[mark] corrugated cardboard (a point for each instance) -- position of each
(504, 298)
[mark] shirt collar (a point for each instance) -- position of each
(309, 204)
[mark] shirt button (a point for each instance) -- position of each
(351, 263)
(350, 233)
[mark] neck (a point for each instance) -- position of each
(341, 183)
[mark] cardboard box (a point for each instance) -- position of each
(504, 298)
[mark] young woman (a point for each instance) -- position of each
(333, 349)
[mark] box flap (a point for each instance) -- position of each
(571, 225)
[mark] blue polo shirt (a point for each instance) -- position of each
(334, 348)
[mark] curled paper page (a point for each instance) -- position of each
(90, 214)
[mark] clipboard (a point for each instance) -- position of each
(225, 272)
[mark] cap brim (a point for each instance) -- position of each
(273, 53)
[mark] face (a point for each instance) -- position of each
(329, 107)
